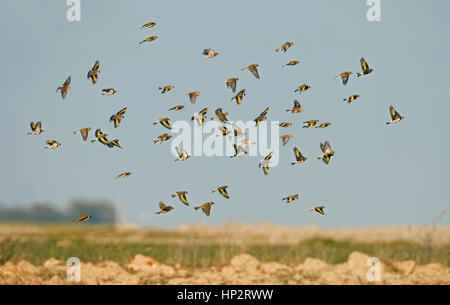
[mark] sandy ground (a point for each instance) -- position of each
(243, 269)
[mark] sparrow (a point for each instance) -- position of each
(176, 108)
(222, 116)
(319, 209)
(327, 152)
(223, 191)
(52, 144)
(116, 118)
(239, 151)
(286, 138)
(151, 38)
(253, 69)
(148, 25)
(239, 96)
(182, 196)
(182, 154)
(210, 53)
(299, 158)
(206, 207)
(164, 122)
(36, 128)
(231, 83)
(162, 138)
(395, 116)
(365, 68)
(124, 175)
(285, 46)
(323, 125)
(344, 76)
(266, 163)
(302, 88)
(200, 117)
(291, 63)
(84, 132)
(166, 88)
(261, 117)
(193, 96)
(109, 91)
(310, 123)
(351, 98)
(290, 198)
(163, 208)
(94, 72)
(296, 109)
(82, 217)
(65, 87)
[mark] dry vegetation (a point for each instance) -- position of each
(226, 254)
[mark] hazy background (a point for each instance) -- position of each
(379, 175)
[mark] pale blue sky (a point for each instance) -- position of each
(379, 175)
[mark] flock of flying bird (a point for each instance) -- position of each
(235, 132)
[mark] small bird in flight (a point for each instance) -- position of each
(261, 117)
(319, 209)
(323, 125)
(239, 151)
(237, 132)
(65, 87)
(52, 144)
(299, 158)
(247, 143)
(253, 69)
(310, 123)
(166, 88)
(200, 117)
(344, 76)
(286, 138)
(222, 116)
(266, 163)
(327, 152)
(148, 25)
(223, 191)
(109, 91)
(291, 63)
(182, 154)
(290, 198)
(101, 137)
(285, 46)
(162, 138)
(395, 116)
(182, 196)
(302, 88)
(206, 207)
(231, 83)
(239, 96)
(163, 208)
(365, 68)
(285, 124)
(151, 38)
(223, 131)
(193, 96)
(296, 109)
(177, 108)
(116, 118)
(210, 53)
(84, 132)
(36, 128)
(351, 98)
(94, 72)
(124, 175)
(164, 122)
(82, 217)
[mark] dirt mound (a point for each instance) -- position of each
(243, 269)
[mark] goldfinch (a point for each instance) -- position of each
(351, 98)
(182, 196)
(52, 144)
(299, 158)
(210, 53)
(395, 116)
(310, 123)
(36, 128)
(182, 154)
(124, 175)
(365, 68)
(239, 151)
(239, 96)
(290, 198)
(162, 138)
(166, 89)
(323, 125)
(261, 117)
(200, 117)
(109, 91)
(223, 191)
(116, 118)
(94, 72)
(319, 209)
(327, 152)
(302, 88)
(164, 122)
(265, 164)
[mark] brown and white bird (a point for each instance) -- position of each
(182, 154)
(162, 138)
(237, 132)
(231, 83)
(82, 217)
(210, 53)
(296, 109)
(286, 138)
(84, 132)
(193, 96)
(252, 68)
(36, 128)
(344, 76)
(65, 87)
(206, 207)
(109, 91)
(52, 144)
(148, 25)
(247, 143)
(222, 116)
(285, 46)
(164, 208)
(291, 63)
